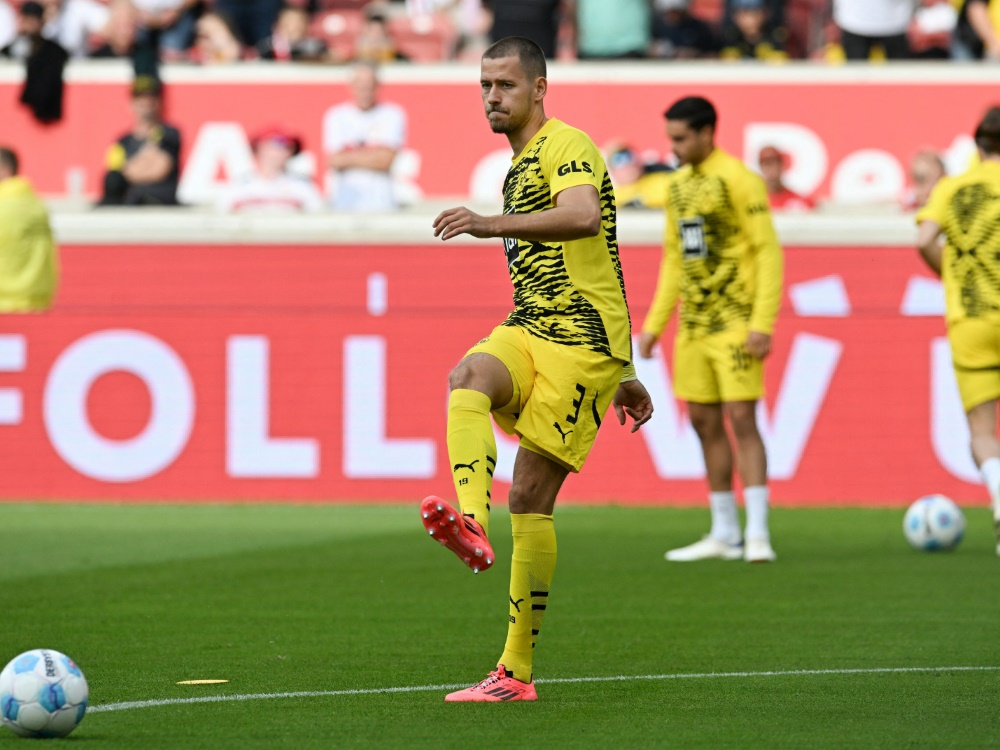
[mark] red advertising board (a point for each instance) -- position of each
(319, 374)
(849, 133)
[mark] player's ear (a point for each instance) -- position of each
(541, 87)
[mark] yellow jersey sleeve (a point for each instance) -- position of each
(936, 209)
(569, 159)
(767, 255)
(115, 159)
(668, 286)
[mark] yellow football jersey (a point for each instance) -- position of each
(570, 292)
(29, 267)
(721, 256)
(967, 208)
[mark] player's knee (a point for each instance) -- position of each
(461, 377)
(527, 498)
(707, 424)
(745, 428)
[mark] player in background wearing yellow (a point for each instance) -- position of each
(722, 260)
(29, 263)
(966, 209)
(549, 372)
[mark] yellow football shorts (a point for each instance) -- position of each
(561, 393)
(716, 368)
(975, 354)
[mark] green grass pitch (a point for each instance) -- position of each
(281, 599)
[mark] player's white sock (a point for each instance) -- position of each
(990, 471)
(725, 518)
(756, 502)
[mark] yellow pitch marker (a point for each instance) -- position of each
(202, 682)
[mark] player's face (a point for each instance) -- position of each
(690, 146)
(508, 95)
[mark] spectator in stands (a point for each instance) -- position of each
(271, 188)
(216, 40)
(29, 264)
(144, 164)
(8, 24)
(72, 23)
(469, 18)
(541, 21)
(869, 24)
(750, 37)
(361, 139)
(167, 25)
(612, 30)
(677, 35)
(290, 39)
(121, 40)
(44, 61)
(637, 183)
(977, 34)
(772, 168)
(926, 168)
(374, 44)
(253, 19)
(120, 32)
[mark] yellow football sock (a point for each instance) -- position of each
(531, 569)
(472, 451)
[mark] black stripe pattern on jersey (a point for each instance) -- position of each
(546, 303)
(974, 237)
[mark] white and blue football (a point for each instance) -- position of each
(933, 523)
(43, 693)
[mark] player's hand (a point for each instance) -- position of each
(758, 344)
(456, 221)
(646, 343)
(632, 399)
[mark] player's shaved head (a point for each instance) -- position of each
(988, 132)
(530, 54)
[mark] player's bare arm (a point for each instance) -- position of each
(758, 344)
(631, 399)
(929, 245)
(575, 215)
(646, 343)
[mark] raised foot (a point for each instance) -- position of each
(461, 534)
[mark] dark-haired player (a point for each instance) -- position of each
(966, 209)
(549, 372)
(721, 258)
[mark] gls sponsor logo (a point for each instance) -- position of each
(565, 169)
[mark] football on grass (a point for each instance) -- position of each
(934, 522)
(42, 694)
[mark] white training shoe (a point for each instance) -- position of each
(708, 548)
(758, 549)
(996, 527)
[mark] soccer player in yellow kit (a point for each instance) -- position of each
(549, 372)
(722, 260)
(29, 258)
(966, 209)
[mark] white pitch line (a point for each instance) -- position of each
(127, 705)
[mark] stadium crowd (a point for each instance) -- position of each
(339, 31)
